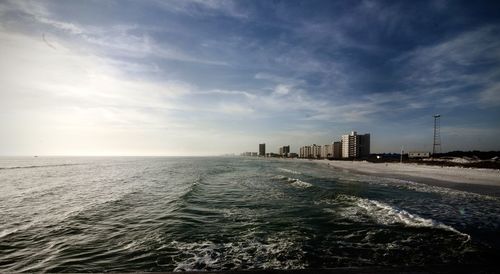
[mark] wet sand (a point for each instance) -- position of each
(483, 181)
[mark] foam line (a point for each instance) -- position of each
(385, 214)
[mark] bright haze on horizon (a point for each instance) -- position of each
(211, 77)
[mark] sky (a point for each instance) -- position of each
(193, 77)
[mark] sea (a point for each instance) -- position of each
(101, 214)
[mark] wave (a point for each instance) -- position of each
(66, 213)
(298, 183)
(248, 253)
(289, 171)
(13, 230)
(294, 182)
(201, 256)
(40, 166)
(382, 213)
(190, 190)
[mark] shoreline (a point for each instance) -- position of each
(482, 181)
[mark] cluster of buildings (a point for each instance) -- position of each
(283, 152)
(321, 152)
(253, 154)
(350, 146)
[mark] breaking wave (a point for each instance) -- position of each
(289, 171)
(360, 209)
(293, 181)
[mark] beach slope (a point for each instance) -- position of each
(474, 176)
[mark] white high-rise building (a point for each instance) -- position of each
(316, 151)
(355, 146)
(327, 151)
(349, 147)
(306, 152)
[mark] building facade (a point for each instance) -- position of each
(284, 150)
(316, 151)
(262, 149)
(337, 150)
(305, 152)
(327, 151)
(349, 145)
(364, 145)
(355, 146)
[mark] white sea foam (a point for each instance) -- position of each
(289, 170)
(385, 214)
(249, 253)
(298, 183)
(293, 181)
(201, 256)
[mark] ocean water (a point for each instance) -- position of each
(66, 214)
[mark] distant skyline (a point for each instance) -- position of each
(206, 77)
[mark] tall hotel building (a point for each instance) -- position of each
(355, 146)
(284, 150)
(327, 151)
(262, 149)
(316, 151)
(337, 150)
(305, 152)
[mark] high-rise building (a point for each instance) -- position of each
(306, 152)
(316, 151)
(284, 150)
(327, 151)
(337, 150)
(262, 149)
(349, 145)
(355, 146)
(364, 145)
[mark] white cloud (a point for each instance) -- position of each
(33, 8)
(56, 91)
(449, 60)
(234, 109)
(30, 65)
(115, 39)
(491, 95)
(282, 89)
(228, 92)
(450, 72)
(72, 28)
(58, 100)
(204, 7)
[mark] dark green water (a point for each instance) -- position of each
(164, 214)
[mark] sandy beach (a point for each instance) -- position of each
(474, 176)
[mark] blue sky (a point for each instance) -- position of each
(209, 77)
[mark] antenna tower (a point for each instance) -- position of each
(436, 147)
